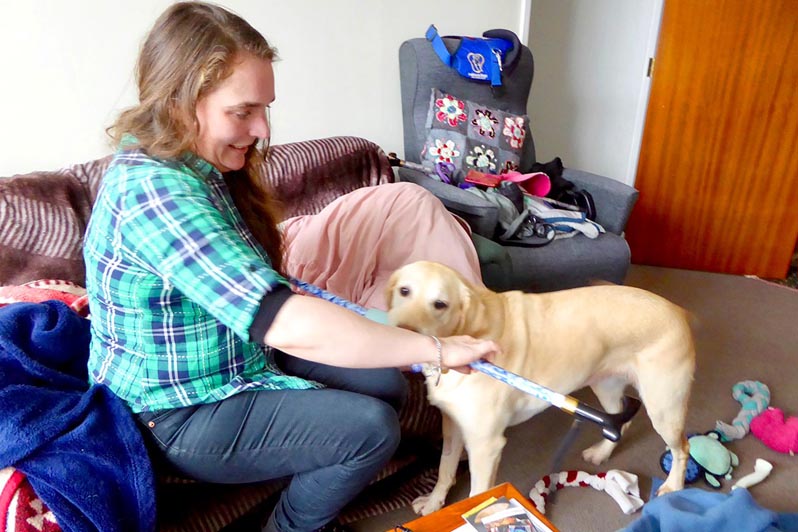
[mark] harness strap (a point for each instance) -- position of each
(437, 45)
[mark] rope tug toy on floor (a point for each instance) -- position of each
(619, 485)
(610, 423)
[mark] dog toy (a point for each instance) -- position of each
(619, 485)
(610, 423)
(762, 469)
(754, 398)
(777, 433)
(708, 459)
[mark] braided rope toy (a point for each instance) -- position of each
(610, 423)
(619, 485)
(754, 398)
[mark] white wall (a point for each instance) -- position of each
(590, 89)
(67, 67)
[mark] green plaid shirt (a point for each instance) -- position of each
(175, 280)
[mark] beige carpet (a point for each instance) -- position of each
(748, 331)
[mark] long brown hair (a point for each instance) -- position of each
(190, 50)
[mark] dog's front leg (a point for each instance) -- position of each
(450, 457)
(484, 448)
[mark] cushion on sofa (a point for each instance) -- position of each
(21, 509)
(471, 135)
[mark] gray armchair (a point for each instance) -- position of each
(565, 263)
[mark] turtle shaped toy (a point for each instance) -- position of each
(708, 459)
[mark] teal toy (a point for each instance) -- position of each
(709, 459)
(754, 398)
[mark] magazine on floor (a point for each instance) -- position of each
(502, 515)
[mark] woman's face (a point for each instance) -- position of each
(233, 116)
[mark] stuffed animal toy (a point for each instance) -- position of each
(778, 434)
(708, 459)
(754, 398)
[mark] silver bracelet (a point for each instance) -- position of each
(438, 367)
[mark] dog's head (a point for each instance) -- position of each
(427, 297)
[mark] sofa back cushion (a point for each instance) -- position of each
(43, 215)
(306, 176)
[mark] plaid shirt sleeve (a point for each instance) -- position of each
(184, 229)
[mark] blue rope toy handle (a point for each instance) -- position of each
(610, 423)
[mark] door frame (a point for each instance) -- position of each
(645, 90)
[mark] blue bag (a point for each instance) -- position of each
(479, 59)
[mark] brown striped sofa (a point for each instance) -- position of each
(42, 219)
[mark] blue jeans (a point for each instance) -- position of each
(332, 442)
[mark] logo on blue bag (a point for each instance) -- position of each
(477, 62)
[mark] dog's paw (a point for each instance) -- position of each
(598, 453)
(426, 504)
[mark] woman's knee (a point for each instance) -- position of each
(378, 425)
(419, 193)
(394, 389)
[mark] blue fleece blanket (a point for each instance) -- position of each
(709, 511)
(78, 445)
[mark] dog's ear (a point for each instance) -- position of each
(389, 288)
(467, 291)
(465, 294)
(466, 298)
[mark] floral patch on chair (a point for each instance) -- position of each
(472, 136)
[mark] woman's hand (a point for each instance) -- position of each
(459, 351)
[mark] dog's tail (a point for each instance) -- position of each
(693, 320)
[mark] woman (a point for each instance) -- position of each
(236, 378)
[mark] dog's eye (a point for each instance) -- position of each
(404, 291)
(440, 305)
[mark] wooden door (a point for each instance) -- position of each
(718, 170)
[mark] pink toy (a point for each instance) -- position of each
(777, 433)
(536, 183)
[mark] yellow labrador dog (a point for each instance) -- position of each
(605, 337)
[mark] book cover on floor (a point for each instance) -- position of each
(503, 515)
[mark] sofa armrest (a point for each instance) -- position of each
(614, 200)
(306, 176)
(481, 215)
